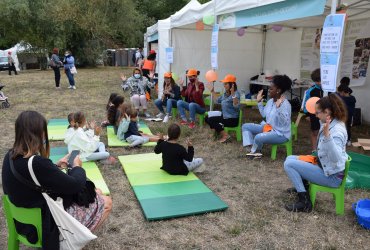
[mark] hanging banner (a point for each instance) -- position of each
(310, 52)
(214, 46)
(271, 13)
(169, 54)
(330, 46)
(329, 71)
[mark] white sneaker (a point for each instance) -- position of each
(147, 115)
(70, 87)
(73, 87)
(165, 119)
(160, 115)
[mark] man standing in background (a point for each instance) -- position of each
(11, 64)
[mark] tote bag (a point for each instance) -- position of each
(73, 70)
(73, 235)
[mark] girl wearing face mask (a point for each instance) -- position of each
(69, 62)
(137, 85)
(327, 169)
(194, 102)
(170, 96)
(275, 129)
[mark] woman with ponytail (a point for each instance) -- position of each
(327, 169)
(176, 160)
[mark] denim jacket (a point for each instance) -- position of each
(278, 118)
(229, 110)
(332, 150)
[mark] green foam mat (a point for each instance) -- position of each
(92, 170)
(113, 141)
(359, 171)
(165, 196)
(57, 129)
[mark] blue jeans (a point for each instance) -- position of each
(169, 104)
(192, 107)
(253, 135)
(99, 154)
(70, 77)
(297, 170)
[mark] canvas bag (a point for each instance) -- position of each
(73, 70)
(73, 235)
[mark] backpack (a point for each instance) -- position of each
(52, 63)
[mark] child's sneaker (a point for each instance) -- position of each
(160, 115)
(166, 118)
(191, 125)
(109, 161)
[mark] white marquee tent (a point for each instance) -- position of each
(256, 51)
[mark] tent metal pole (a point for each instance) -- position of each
(333, 6)
(264, 31)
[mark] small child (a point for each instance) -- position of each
(132, 134)
(350, 101)
(345, 81)
(176, 160)
(90, 147)
(109, 104)
(113, 111)
(70, 120)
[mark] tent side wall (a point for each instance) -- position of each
(237, 55)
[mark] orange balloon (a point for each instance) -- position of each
(310, 104)
(199, 25)
(211, 76)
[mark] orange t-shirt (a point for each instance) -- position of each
(149, 65)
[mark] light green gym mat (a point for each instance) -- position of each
(92, 170)
(359, 171)
(164, 196)
(113, 141)
(57, 129)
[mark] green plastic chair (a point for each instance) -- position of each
(201, 118)
(30, 216)
(174, 112)
(288, 145)
(294, 131)
(338, 193)
(238, 129)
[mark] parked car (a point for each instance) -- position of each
(4, 63)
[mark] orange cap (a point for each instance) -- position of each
(229, 78)
(168, 74)
(192, 72)
(152, 52)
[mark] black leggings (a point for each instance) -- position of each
(218, 122)
(57, 76)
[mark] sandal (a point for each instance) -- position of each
(226, 140)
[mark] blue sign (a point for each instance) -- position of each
(271, 13)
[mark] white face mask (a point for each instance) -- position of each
(137, 76)
(66, 54)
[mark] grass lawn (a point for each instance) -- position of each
(254, 190)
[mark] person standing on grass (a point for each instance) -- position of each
(194, 102)
(350, 101)
(314, 91)
(230, 106)
(175, 159)
(277, 112)
(170, 96)
(55, 63)
(69, 62)
(11, 64)
(327, 169)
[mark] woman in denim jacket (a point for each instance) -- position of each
(331, 150)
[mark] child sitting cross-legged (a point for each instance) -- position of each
(129, 128)
(176, 160)
(87, 142)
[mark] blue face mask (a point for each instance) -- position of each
(137, 76)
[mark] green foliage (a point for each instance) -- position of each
(84, 27)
